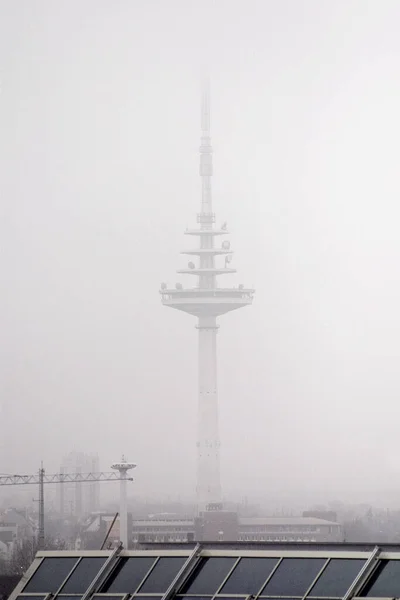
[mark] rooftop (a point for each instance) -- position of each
(217, 571)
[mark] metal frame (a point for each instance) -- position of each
(43, 596)
(364, 573)
(100, 595)
(98, 578)
(68, 576)
(320, 572)
(183, 573)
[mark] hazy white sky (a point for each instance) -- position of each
(99, 155)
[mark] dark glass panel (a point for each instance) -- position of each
(100, 597)
(249, 576)
(208, 576)
(22, 597)
(385, 581)
(83, 575)
(163, 574)
(128, 575)
(145, 597)
(194, 597)
(337, 577)
(50, 575)
(77, 597)
(293, 577)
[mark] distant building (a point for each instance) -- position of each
(96, 528)
(289, 529)
(228, 526)
(78, 499)
(14, 527)
(328, 515)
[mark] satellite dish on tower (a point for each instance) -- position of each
(228, 259)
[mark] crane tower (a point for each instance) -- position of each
(206, 301)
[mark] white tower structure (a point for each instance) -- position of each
(123, 467)
(207, 301)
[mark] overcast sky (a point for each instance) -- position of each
(100, 128)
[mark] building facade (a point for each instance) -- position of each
(78, 498)
(227, 526)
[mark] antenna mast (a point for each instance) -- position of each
(206, 167)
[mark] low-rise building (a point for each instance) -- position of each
(228, 526)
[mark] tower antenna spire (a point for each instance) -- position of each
(206, 166)
(205, 107)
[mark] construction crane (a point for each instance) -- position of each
(42, 478)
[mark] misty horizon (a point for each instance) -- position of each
(100, 120)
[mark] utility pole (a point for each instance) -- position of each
(42, 478)
(41, 509)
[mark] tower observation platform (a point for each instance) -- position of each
(207, 300)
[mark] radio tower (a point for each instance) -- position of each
(207, 301)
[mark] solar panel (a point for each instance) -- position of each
(293, 577)
(337, 577)
(225, 572)
(248, 576)
(128, 575)
(209, 575)
(385, 581)
(50, 575)
(83, 575)
(161, 577)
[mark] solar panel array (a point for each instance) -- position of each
(220, 574)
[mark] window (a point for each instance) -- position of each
(208, 576)
(162, 575)
(128, 575)
(337, 577)
(385, 581)
(82, 576)
(50, 575)
(249, 576)
(293, 577)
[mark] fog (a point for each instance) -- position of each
(100, 128)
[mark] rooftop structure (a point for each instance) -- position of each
(217, 571)
(206, 301)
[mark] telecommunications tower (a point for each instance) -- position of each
(207, 301)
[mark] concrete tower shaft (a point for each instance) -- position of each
(208, 443)
(207, 301)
